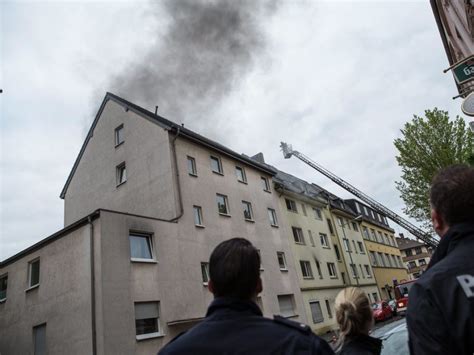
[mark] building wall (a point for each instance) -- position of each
(62, 300)
(414, 263)
(149, 189)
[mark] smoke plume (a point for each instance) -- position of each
(206, 49)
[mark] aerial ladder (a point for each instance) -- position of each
(428, 239)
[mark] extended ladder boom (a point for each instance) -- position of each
(417, 232)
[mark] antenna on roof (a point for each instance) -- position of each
(156, 110)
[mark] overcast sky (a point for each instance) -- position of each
(335, 79)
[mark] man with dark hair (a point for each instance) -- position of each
(440, 315)
(234, 323)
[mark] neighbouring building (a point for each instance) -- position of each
(415, 255)
(455, 21)
(379, 240)
(146, 202)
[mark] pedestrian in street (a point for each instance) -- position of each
(440, 315)
(354, 317)
(234, 323)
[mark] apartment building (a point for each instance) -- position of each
(317, 253)
(146, 202)
(415, 255)
(379, 240)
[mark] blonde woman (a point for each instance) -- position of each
(354, 316)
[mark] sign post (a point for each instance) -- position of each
(463, 70)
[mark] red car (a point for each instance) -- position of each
(381, 311)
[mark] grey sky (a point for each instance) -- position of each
(335, 79)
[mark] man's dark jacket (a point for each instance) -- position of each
(238, 327)
(440, 313)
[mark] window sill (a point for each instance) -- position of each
(333, 277)
(205, 284)
(32, 287)
(268, 191)
(275, 225)
(118, 145)
(193, 175)
(299, 243)
(242, 182)
(224, 214)
(149, 336)
(249, 220)
(120, 184)
(218, 173)
(3, 300)
(146, 261)
(292, 316)
(326, 247)
(200, 226)
(284, 270)
(308, 277)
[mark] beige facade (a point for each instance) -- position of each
(415, 255)
(154, 199)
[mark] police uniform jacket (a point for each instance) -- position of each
(238, 327)
(440, 314)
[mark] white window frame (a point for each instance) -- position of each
(355, 226)
(292, 208)
(272, 217)
(318, 267)
(305, 266)
(347, 245)
(332, 270)
(303, 208)
(226, 204)
(35, 338)
(354, 271)
(158, 324)
(30, 266)
(193, 172)
(220, 169)
(323, 238)
(121, 174)
(314, 317)
(149, 239)
(328, 307)
(337, 252)
(367, 271)
(287, 298)
(205, 273)
(298, 235)
(117, 135)
(361, 247)
(340, 222)
(197, 212)
(266, 186)
(361, 271)
(311, 239)
(249, 205)
(318, 213)
(283, 258)
(4, 277)
(244, 175)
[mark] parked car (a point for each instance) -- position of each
(394, 338)
(381, 311)
(393, 305)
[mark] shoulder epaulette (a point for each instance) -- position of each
(295, 325)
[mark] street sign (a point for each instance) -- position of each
(464, 71)
(468, 105)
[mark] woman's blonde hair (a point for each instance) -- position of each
(353, 313)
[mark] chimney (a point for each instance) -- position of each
(259, 157)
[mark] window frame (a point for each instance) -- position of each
(249, 205)
(285, 266)
(324, 237)
(244, 175)
(328, 307)
(220, 168)
(226, 204)
(118, 129)
(332, 267)
(368, 271)
(272, 215)
(337, 252)
(119, 174)
(298, 235)
(35, 329)
(291, 298)
(30, 266)
(291, 205)
(347, 245)
(355, 226)
(150, 244)
(193, 171)
(205, 273)
(156, 334)
(305, 266)
(318, 213)
(199, 215)
(361, 247)
(266, 186)
(313, 315)
(330, 226)
(4, 277)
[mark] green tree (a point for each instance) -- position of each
(428, 144)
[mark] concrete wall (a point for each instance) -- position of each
(149, 189)
(62, 299)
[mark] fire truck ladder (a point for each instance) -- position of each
(417, 232)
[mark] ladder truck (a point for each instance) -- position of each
(428, 239)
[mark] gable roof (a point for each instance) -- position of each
(168, 125)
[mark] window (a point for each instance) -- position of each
(365, 210)
(198, 216)
(343, 277)
(394, 261)
(248, 213)
(367, 271)
(316, 312)
(222, 204)
(418, 250)
(324, 240)
(347, 245)
(328, 307)
(318, 267)
(332, 270)
(272, 217)
(411, 264)
(261, 262)
(422, 262)
(3, 287)
(389, 262)
(205, 273)
(291, 205)
(375, 296)
(336, 250)
(34, 273)
(39, 339)
(355, 227)
(216, 165)
(373, 258)
(298, 235)
(399, 262)
(121, 172)
(192, 166)
(265, 184)
(306, 269)
(380, 238)
(317, 213)
(287, 305)
(361, 247)
(340, 223)
(361, 271)
(119, 135)
(354, 271)
(365, 232)
(240, 173)
(347, 224)
(282, 260)
(147, 316)
(355, 248)
(374, 237)
(409, 252)
(381, 261)
(311, 237)
(303, 208)
(140, 247)
(331, 229)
